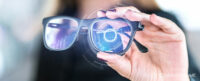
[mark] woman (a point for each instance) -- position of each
(160, 35)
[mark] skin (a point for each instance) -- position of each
(167, 58)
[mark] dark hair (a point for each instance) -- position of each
(67, 7)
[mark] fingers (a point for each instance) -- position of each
(165, 24)
(137, 16)
(101, 13)
(162, 23)
(119, 63)
(133, 14)
(153, 21)
(117, 12)
(130, 13)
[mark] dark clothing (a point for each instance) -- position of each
(70, 65)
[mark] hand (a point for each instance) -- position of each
(167, 58)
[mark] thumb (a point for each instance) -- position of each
(121, 64)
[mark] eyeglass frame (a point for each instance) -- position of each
(83, 23)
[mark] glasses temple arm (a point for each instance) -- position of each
(141, 47)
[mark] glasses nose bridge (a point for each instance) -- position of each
(85, 25)
(86, 22)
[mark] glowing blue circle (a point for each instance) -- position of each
(110, 35)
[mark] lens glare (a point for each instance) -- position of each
(111, 35)
(60, 33)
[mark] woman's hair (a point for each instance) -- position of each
(147, 5)
(67, 7)
(70, 6)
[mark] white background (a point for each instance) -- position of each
(187, 11)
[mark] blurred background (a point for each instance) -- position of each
(21, 31)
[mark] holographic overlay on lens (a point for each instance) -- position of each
(60, 33)
(111, 36)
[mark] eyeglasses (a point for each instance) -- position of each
(104, 34)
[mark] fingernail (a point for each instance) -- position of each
(102, 60)
(112, 10)
(103, 11)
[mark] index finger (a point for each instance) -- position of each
(159, 22)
